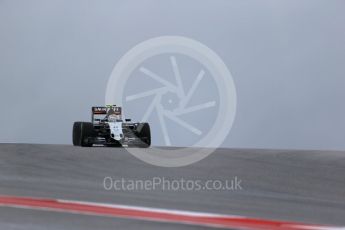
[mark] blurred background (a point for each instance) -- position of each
(287, 59)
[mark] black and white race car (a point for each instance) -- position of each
(107, 128)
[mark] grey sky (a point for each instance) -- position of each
(287, 59)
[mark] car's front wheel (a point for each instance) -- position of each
(82, 133)
(144, 134)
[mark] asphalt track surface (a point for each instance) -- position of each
(286, 185)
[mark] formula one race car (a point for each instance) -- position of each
(107, 128)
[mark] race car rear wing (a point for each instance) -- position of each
(100, 112)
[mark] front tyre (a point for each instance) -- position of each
(144, 135)
(82, 133)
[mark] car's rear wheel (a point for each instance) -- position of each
(82, 133)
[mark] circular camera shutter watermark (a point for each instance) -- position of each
(176, 98)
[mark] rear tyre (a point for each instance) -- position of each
(82, 133)
(144, 134)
